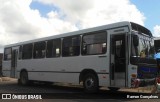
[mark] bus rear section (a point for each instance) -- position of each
(10, 58)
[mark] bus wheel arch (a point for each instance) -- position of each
(23, 78)
(90, 80)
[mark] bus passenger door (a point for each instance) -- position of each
(14, 63)
(118, 53)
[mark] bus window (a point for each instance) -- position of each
(94, 43)
(20, 52)
(7, 54)
(53, 48)
(71, 46)
(39, 49)
(27, 51)
(145, 48)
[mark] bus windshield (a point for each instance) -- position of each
(144, 47)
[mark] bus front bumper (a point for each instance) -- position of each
(136, 82)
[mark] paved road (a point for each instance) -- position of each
(56, 93)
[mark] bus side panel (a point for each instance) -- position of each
(55, 77)
(66, 69)
(6, 68)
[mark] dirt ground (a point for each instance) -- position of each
(148, 89)
(6, 79)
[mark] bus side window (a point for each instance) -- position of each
(49, 49)
(20, 52)
(7, 54)
(56, 48)
(53, 48)
(71, 46)
(94, 43)
(27, 51)
(39, 49)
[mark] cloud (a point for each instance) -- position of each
(156, 31)
(14, 26)
(19, 22)
(89, 13)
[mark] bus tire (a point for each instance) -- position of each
(23, 78)
(90, 83)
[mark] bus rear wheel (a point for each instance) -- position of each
(90, 83)
(23, 78)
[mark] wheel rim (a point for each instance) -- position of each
(89, 83)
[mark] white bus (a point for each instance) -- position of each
(113, 55)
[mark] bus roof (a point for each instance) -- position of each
(141, 29)
(103, 27)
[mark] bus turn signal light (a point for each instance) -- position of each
(134, 75)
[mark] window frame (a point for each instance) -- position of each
(57, 42)
(31, 51)
(94, 33)
(72, 47)
(20, 52)
(6, 55)
(38, 47)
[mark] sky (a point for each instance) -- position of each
(22, 20)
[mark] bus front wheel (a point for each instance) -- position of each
(23, 78)
(90, 83)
